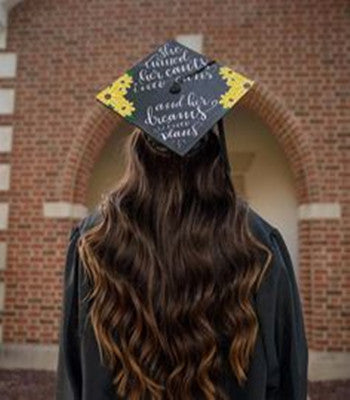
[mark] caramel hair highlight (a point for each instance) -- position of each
(173, 266)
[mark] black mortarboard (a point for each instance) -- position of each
(176, 95)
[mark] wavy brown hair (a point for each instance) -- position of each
(173, 266)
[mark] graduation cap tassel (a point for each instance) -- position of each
(223, 146)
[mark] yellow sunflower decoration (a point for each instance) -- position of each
(237, 84)
(114, 96)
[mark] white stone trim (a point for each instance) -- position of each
(28, 356)
(2, 295)
(324, 366)
(8, 65)
(3, 255)
(3, 15)
(319, 211)
(4, 215)
(5, 170)
(63, 209)
(193, 41)
(3, 37)
(5, 6)
(7, 101)
(6, 133)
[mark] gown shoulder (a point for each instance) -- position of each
(68, 371)
(74, 310)
(280, 313)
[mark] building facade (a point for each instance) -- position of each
(288, 143)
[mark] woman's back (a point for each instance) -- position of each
(278, 368)
(179, 291)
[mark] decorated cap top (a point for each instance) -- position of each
(175, 95)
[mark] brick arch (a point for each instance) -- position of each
(295, 142)
(97, 125)
(100, 122)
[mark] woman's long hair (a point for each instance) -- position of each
(173, 266)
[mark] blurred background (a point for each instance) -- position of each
(288, 143)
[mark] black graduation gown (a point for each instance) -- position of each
(280, 364)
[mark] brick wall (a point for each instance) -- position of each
(297, 52)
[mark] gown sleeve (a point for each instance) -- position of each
(290, 338)
(68, 373)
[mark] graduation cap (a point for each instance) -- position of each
(176, 95)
